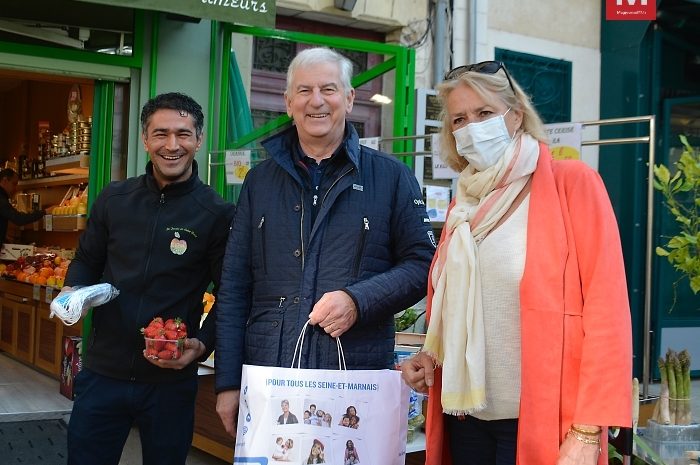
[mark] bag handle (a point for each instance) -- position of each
(300, 344)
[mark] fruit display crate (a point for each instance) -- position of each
(65, 222)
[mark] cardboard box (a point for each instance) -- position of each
(65, 222)
(71, 363)
(14, 251)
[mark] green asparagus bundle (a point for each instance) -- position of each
(673, 407)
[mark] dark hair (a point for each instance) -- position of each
(173, 101)
(7, 173)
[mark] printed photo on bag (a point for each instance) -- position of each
(317, 451)
(350, 418)
(315, 412)
(350, 450)
(283, 449)
(286, 417)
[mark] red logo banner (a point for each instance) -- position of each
(630, 10)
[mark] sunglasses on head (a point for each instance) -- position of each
(485, 67)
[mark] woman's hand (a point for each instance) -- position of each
(574, 452)
(419, 372)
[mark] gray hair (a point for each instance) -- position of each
(488, 86)
(321, 55)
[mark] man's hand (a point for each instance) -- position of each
(194, 348)
(227, 408)
(419, 371)
(335, 312)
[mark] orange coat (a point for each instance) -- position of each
(576, 349)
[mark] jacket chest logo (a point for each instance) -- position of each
(178, 246)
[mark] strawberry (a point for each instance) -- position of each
(170, 325)
(159, 343)
(171, 346)
(151, 352)
(165, 355)
(171, 334)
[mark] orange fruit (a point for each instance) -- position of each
(46, 272)
(40, 280)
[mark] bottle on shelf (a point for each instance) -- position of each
(25, 169)
(40, 166)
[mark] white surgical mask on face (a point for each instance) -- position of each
(483, 144)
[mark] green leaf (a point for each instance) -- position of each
(695, 284)
(647, 451)
(660, 251)
(681, 194)
(662, 173)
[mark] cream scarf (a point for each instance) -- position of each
(455, 336)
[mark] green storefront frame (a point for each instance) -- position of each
(398, 58)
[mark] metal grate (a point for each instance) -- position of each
(276, 54)
(547, 81)
(272, 54)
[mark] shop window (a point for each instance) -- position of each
(262, 117)
(546, 80)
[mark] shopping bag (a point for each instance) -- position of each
(339, 417)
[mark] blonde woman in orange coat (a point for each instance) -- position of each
(528, 352)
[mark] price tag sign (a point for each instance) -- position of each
(237, 165)
(36, 292)
(48, 222)
(49, 295)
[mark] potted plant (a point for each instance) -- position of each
(681, 192)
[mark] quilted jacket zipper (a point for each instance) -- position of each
(261, 228)
(361, 247)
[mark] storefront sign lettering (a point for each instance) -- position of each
(259, 13)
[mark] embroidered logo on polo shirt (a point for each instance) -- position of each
(178, 246)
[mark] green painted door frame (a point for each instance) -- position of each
(676, 307)
(398, 58)
(640, 70)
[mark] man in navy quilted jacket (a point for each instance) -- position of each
(326, 231)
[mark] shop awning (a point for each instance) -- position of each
(249, 12)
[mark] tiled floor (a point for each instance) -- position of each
(26, 394)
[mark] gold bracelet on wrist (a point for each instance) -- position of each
(586, 432)
(583, 438)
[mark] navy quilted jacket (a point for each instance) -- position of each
(371, 237)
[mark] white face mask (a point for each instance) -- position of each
(483, 144)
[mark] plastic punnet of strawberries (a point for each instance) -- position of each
(165, 339)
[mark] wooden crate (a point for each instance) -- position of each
(68, 222)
